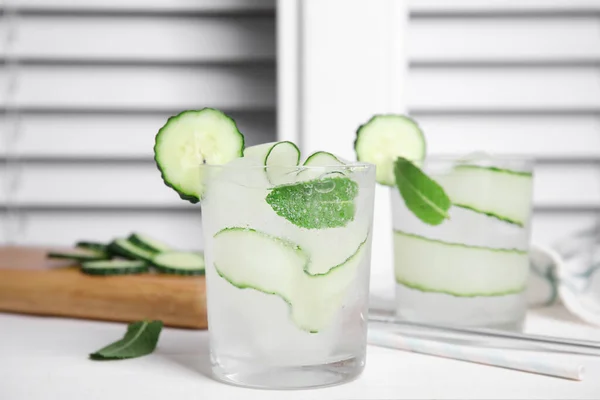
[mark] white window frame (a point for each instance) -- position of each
(334, 76)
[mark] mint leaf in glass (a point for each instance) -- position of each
(316, 204)
(422, 195)
(139, 340)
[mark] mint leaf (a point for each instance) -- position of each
(316, 204)
(422, 195)
(140, 340)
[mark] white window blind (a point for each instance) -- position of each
(85, 84)
(515, 77)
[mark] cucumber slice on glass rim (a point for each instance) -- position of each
(384, 138)
(276, 154)
(190, 139)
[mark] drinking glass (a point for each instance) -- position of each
(287, 271)
(472, 269)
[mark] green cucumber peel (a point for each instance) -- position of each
(422, 195)
(466, 246)
(299, 282)
(425, 289)
(495, 169)
(490, 214)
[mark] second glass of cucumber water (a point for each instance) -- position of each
(287, 267)
(472, 269)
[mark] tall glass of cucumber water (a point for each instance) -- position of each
(287, 248)
(461, 228)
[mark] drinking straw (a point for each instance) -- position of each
(515, 360)
(548, 342)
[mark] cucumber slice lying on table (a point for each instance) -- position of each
(147, 243)
(281, 270)
(124, 248)
(384, 138)
(193, 138)
(114, 267)
(499, 193)
(276, 156)
(179, 263)
(431, 265)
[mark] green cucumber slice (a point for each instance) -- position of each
(147, 243)
(274, 155)
(179, 263)
(323, 159)
(124, 248)
(386, 137)
(276, 266)
(96, 246)
(114, 267)
(193, 138)
(79, 254)
(431, 265)
(498, 193)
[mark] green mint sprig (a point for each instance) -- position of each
(422, 195)
(139, 340)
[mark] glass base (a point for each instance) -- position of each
(495, 312)
(253, 375)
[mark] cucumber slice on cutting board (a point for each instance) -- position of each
(79, 254)
(279, 158)
(281, 270)
(147, 243)
(434, 266)
(498, 193)
(193, 138)
(114, 267)
(179, 263)
(126, 249)
(386, 137)
(94, 246)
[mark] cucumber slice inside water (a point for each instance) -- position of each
(193, 138)
(434, 266)
(114, 267)
(281, 270)
(274, 155)
(498, 193)
(384, 138)
(147, 243)
(179, 263)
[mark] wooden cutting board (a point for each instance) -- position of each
(30, 283)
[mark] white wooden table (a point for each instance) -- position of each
(46, 358)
